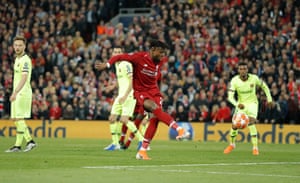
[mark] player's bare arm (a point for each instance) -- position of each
(264, 87)
(128, 90)
(19, 87)
(100, 66)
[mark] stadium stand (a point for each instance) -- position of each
(207, 39)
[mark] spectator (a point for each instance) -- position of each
(293, 110)
(206, 44)
(181, 114)
(81, 111)
(205, 114)
(2, 98)
(193, 114)
(92, 110)
(214, 112)
(55, 111)
(223, 114)
(68, 112)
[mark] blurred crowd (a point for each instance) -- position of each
(207, 39)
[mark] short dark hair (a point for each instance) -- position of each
(156, 43)
(242, 64)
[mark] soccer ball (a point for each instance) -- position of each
(240, 120)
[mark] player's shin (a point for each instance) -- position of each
(233, 134)
(21, 126)
(231, 146)
(113, 131)
(144, 128)
(253, 133)
(123, 133)
(150, 132)
(27, 135)
(119, 130)
(133, 129)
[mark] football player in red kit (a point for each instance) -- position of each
(146, 66)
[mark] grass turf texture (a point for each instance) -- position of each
(84, 160)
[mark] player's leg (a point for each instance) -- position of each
(123, 134)
(139, 114)
(252, 110)
(20, 109)
(137, 121)
(253, 133)
(113, 127)
(156, 109)
(30, 142)
(19, 135)
(149, 134)
(25, 107)
(19, 139)
(233, 133)
(131, 126)
(127, 112)
(144, 125)
(119, 131)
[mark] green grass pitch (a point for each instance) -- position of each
(84, 160)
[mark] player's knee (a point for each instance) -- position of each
(233, 127)
(150, 105)
(112, 118)
(252, 120)
(124, 119)
(140, 116)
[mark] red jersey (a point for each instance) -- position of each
(145, 71)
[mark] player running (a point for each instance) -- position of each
(244, 84)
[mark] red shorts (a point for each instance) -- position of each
(140, 97)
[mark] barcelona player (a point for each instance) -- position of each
(21, 97)
(244, 85)
(124, 104)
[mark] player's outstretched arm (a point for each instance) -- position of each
(100, 66)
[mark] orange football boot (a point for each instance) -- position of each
(228, 149)
(142, 155)
(255, 152)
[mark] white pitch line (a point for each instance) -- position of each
(193, 165)
(255, 174)
(142, 168)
